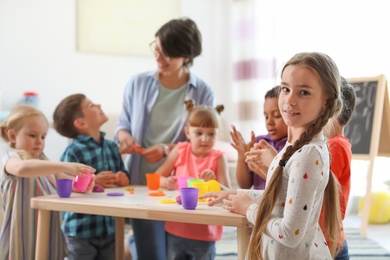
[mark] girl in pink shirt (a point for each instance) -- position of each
(197, 159)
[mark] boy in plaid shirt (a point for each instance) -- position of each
(76, 117)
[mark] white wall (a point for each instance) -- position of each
(38, 52)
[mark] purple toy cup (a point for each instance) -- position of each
(182, 181)
(64, 187)
(189, 197)
(81, 183)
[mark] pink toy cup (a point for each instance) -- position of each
(153, 181)
(189, 198)
(182, 181)
(81, 183)
(64, 187)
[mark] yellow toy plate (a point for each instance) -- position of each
(167, 201)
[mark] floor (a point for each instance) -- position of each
(378, 233)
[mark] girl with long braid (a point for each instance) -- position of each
(299, 181)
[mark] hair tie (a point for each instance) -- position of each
(282, 163)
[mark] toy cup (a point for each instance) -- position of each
(202, 186)
(191, 181)
(213, 186)
(153, 181)
(81, 183)
(64, 187)
(182, 182)
(189, 197)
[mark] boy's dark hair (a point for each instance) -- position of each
(349, 99)
(66, 112)
(180, 38)
(273, 92)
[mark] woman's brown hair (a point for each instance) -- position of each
(329, 78)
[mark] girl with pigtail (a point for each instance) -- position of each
(198, 159)
(299, 181)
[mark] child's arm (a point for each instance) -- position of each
(222, 171)
(166, 169)
(34, 168)
(244, 179)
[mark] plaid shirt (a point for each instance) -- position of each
(103, 157)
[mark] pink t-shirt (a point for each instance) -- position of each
(188, 164)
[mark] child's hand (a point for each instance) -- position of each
(76, 169)
(238, 141)
(122, 179)
(218, 196)
(207, 175)
(170, 183)
(107, 179)
(237, 203)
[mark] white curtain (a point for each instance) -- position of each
(253, 62)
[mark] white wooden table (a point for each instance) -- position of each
(137, 205)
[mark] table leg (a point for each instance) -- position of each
(243, 235)
(119, 237)
(42, 234)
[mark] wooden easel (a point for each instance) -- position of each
(379, 141)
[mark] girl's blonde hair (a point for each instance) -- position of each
(203, 116)
(329, 77)
(17, 118)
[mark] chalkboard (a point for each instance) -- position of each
(365, 123)
(359, 128)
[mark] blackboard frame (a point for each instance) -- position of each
(379, 136)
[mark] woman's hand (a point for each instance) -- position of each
(127, 144)
(154, 153)
(218, 196)
(237, 203)
(207, 175)
(107, 179)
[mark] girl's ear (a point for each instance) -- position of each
(11, 134)
(187, 132)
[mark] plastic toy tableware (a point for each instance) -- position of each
(189, 197)
(213, 186)
(202, 186)
(81, 183)
(153, 181)
(64, 187)
(182, 182)
(191, 181)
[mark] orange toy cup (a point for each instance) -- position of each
(153, 181)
